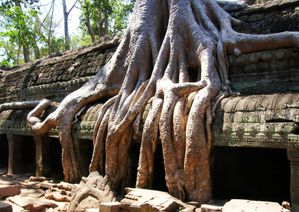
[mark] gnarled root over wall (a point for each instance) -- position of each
(172, 58)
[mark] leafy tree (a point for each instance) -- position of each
(19, 28)
(8, 53)
(78, 41)
(120, 15)
(48, 27)
(11, 3)
(102, 17)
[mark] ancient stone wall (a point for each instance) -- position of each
(56, 76)
(270, 17)
(275, 71)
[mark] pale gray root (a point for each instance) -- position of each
(18, 105)
(38, 108)
(37, 105)
(173, 56)
(32, 117)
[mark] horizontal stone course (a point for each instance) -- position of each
(52, 73)
(270, 17)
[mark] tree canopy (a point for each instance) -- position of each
(26, 34)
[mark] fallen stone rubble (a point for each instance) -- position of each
(25, 193)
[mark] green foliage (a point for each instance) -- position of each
(17, 29)
(8, 53)
(20, 26)
(57, 45)
(80, 41)
(11, 3)
(120, 15)
(97, 11)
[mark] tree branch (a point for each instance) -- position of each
(72, 7)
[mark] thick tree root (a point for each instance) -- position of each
(173, 58)
(18, 105)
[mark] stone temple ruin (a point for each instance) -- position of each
(255, 135)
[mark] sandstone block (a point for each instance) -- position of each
(210, 208)
(47, 185)
(110, 206)
(9, 190)
(32, 204)
(236, 205)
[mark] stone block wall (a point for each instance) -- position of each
(54, 77)
(275, 71)
(270, 17)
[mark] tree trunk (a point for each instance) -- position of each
(36, 29)
(89, 27)
(67, 38)
(173, 60)
(26, 52)
(50, 28)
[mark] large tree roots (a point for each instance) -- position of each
(172, 59)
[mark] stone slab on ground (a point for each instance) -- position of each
(237, 205)
(32, 204)
(33, 193)
(152, 200)
(5, 207)
(9, 190)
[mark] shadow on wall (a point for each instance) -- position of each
(3, 151)
(251, 173)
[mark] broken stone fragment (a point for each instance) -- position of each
(237, 205)
(154, 200)
(66, 186)
(57, 196)
(34, 193)
(210, 208)
(32, 204)
(110, 206)
(9, 190)
(47, 185)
